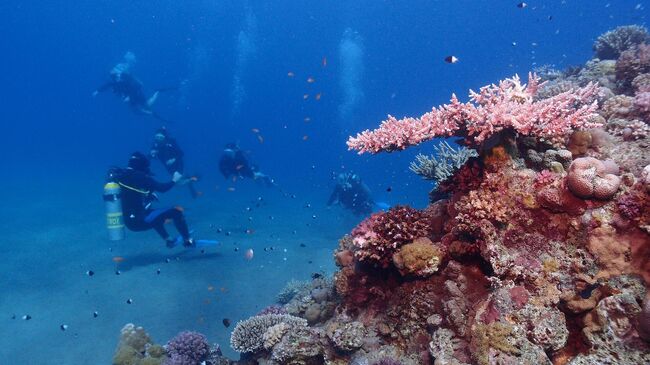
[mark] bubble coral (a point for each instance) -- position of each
(187, 348)
(589, 178)
(611, 44)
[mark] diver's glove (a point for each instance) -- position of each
(177, 176)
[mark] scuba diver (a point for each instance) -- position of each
(167, 151)
(234, 164)
(129, 89)
(138, 193)
(351, 193)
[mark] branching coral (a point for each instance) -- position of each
(443, 164)
(509, 105)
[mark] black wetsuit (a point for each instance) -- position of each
(237, 165)
(167, 150)
(137, 189)
(127, 86)
(355, 198)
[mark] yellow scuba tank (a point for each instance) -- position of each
(113, 206)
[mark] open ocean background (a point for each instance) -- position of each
(232, 59)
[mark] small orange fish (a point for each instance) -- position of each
(305, 137)
(118, 259)
(255, 130)
(290, 74)
(310, 80)
(324, 62)
(317, 97)
(260, 138)
(223, 289)
(305, 97)
(239, 167)
(179, 208)
(210, 288)
(231, 189)
(249, 254)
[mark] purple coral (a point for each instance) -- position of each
(187, 348)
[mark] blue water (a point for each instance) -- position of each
(233, 59)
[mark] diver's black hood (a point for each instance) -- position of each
(139, 162)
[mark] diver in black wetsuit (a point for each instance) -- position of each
(167, 151)
(352, 194)
(234, 164)
(129, 89)
(138, 190)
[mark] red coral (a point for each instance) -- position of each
(544, 178)
(631, 204)
(380, 235)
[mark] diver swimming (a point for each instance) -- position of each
(236, 165)
(129, 89)
(166, 150)
(352, 193)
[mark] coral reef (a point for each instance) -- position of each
(535, 251)
(611, 44)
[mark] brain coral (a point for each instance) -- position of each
(589, 178)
